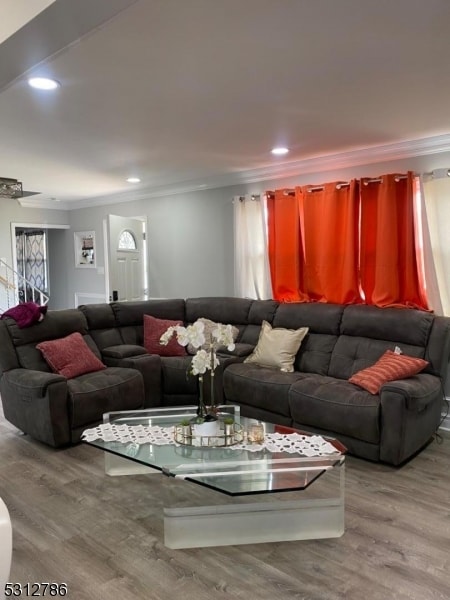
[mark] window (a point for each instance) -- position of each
(127, 241)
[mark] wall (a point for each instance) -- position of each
(59, 255)
(190, 243)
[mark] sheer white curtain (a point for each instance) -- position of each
(436, 201)
(251, 263)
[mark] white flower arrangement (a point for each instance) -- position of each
(204, 359)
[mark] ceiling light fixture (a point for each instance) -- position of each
(279, 151)
(10, 188)
(43, 83)
(133, 180)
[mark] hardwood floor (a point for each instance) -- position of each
(103, 536)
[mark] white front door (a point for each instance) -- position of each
(126, 258)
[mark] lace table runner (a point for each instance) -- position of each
(308, 445)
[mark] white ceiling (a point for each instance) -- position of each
(192, 94)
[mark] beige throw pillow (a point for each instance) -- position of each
(277, 347)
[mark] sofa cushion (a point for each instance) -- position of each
(70, 356)
(411, 327)
(153, 330)
(277, 347)
(176, 376)
(260, 310)
(123, 351)
(129, 316)
(93, 394)
(239, 350)
(323, 321)
(389, 367)
(352, 354)
(219, 309)
(102, 325)
(320, 318)
(261, 387)
(57, 324)
(336, 406)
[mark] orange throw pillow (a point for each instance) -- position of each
(389, 367)
(70, 356)
(153, 330)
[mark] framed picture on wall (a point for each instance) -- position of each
(85, 254)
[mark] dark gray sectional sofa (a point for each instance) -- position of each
(317, 396)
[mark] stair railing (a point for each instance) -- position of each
(12, 286)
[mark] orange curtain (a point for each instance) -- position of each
(285, 247)
(388, 264)
(330, 215)
(347, 243)
(313, 244)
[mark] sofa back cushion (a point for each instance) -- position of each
(245, 314)
(220, 309)
(8, 355)
(323, 321)
(56, 324)
(438, 349)
(129, 316)
(260, 310)
(102, 324)
(367, 332)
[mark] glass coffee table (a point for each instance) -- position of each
(238, 493)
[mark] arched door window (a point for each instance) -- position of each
(127, 241)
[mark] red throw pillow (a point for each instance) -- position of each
(153, 330)
(389, 367)
(70, 356)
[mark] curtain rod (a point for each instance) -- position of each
(319, 188)
(435, 174)
(252, 197)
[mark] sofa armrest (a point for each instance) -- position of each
(36, 403)
(410, 414)
(123, 351)
(418, 391)
(33, 384)
(149, 365)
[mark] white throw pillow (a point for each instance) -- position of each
(277, 347)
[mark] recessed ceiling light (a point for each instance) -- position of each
(133, 180)
(43, 83)
(279, 151)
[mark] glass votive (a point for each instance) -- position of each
(255, 433)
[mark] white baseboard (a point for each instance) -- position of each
(88, 298)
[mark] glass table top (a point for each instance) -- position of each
(232, 471)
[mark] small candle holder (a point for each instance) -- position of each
(255, 433)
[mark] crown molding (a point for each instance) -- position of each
(37, 202)
(351, 158)
(315, 164)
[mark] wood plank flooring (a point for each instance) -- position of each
(103, 536)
